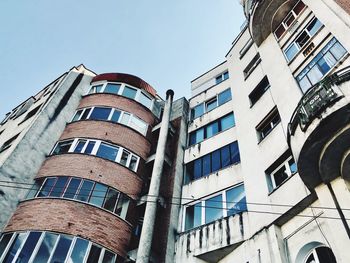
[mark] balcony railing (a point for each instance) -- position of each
(317, 99)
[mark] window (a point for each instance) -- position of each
(7, 116)
(129, 92)
(211, 104)
(321, 255)
(289, 19)
(113, 115)
(259, 91)
(227, 203)
(268, 124)
(112, 88)
(82, 190)
(145, 100)
(302, 39)
(213, 162)
(8, 143)
(251, 66)
(42, 246)
(101, 149)
(221, 77)
(212, 128)
(31, 114)
(321, 64)
(245, 48)
(280, 171)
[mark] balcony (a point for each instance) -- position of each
(265, 16)
(211, 242)
(318, 131)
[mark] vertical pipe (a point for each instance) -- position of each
(144, 250)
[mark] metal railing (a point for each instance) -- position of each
(316, 100)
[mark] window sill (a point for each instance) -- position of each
(285, 181)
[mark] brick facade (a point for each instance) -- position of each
(345, 4)
(72, 218)
(107, 131)
(93, 168)
(122, 103)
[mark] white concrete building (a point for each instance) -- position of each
(267, 176)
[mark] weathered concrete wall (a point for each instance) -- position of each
(27, 157)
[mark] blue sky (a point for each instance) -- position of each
(166, 43)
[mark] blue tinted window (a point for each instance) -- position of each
(197, 168)
(72, 188)
(4, 242)
(112, 88)
(61, 250)
(28, 247)
(100, 113)
(224, 96)
(235, 157)
(212, 129)
(115, 116)
(89, 147)
(225, 156)
(45, 190)
(197, 111)
(58, 189)
(193, 216)
(212, 104)
(107, 152)
(79, 146)
(197, 136)
(14, 247)
(111, 199)
(213, 209)
(206, 165)
(84, 191)
(79, 250)
(129, 92)
(236, 200)
(98, 194)
(227, 122)
(44, 252)
(216, 165)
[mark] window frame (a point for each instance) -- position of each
(268, 120)
(271, 175)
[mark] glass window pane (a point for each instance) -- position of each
(291, 51)
(145, 100)
(78, 252)
(108, 257)
(133, 163)
(77, 115)
(107, 152)
(34, 189)
(98, 194)
(279, 31)
(198, 111)
(292, 166)
(302, 39)
(115, 116)
(338, 51)
(85, 114)
(79, 146)
(299, 7)
(62, 147)
(138, 124)
(44, 252)
(224, 96)
(94, 254)
(227, 122)
(99, 113)
(314, 26)
(235, 156)
(84, 191)
(125, 118)
(236, 201)
(213, 209)
(28, 247)
(197, 168)
(226, 75)
(112, 88)
(280, 176)
(304, 84)
(206, 165)
(225, 156)
(199, 135)
(212, 129)
(45, 190)
(4, 242)
(72, 188)
(61, 250)
(111, 199)
(216, 162)
(124, 158)
(193, 216)
(212, 104)
(89, 147)
(16, 244)
(58, 189)
(122, 205)
(129, 92)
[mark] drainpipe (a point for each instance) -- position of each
(144, 250)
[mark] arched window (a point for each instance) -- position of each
(321, 255)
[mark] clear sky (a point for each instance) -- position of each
(166, 43)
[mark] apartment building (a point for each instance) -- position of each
(266, 163)
(95, 147)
